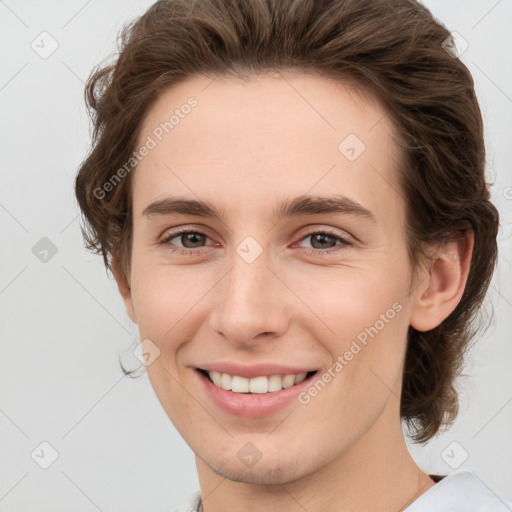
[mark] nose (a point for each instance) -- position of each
(250, 303)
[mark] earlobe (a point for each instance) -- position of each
(124, 288)
(440, 292)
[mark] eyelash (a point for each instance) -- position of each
(345, 243)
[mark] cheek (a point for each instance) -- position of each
(345, 301)
(361, 319)
(168, 301)
(365, 372)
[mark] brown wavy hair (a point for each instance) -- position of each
(396, 50)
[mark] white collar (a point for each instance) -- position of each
(462, 491)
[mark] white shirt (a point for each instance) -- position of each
(458, 492)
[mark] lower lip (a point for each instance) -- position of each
(251, 405)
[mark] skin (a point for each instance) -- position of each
(248, 146)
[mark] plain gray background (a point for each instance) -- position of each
(63, 325)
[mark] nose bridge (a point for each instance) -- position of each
(249, 302)
(249, 286)
(248, 283)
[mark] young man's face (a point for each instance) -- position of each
(259, 294)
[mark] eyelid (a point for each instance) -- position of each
(329, 231)
(167, 237)
(201, 229)
(345, 243)
(188, 228)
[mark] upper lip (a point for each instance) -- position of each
(255, 370)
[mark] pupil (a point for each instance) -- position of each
(322, 238)
(189, 238)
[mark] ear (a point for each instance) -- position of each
(440, 292)
(123, 285)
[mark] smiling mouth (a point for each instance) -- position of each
(257, 385)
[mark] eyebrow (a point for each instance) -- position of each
(299, 206)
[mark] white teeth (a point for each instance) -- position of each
(275, 383)
(239, 384)
(288, 381)
(258, 385)
(216, 377)
(261, 384)
(225, 381)
(300, 377)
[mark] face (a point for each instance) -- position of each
(295, 261)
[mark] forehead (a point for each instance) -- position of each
(267, 135)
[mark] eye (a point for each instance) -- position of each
(322, 242)
(190, 239)
(325, 242)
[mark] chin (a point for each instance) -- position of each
(269, 472)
